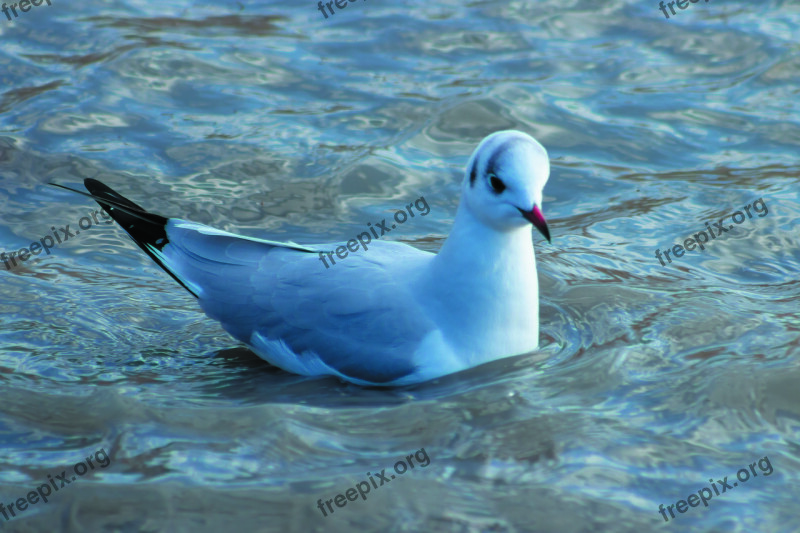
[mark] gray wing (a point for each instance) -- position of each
(358, 315)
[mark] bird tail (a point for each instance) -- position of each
(148, 230)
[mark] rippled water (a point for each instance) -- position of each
(270, 120)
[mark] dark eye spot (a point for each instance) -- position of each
(496, 183)
(473, 172)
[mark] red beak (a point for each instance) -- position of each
(535, 217)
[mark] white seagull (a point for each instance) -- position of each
(393, 315)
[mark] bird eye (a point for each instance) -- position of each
(496, 183)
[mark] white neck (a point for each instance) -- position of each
(483, 283)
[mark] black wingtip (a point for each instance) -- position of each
(145, 228)
(98, 189)
(148, 230)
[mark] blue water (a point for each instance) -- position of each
(267, 119)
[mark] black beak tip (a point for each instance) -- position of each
(535, 217)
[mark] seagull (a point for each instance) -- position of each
(392, 315)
